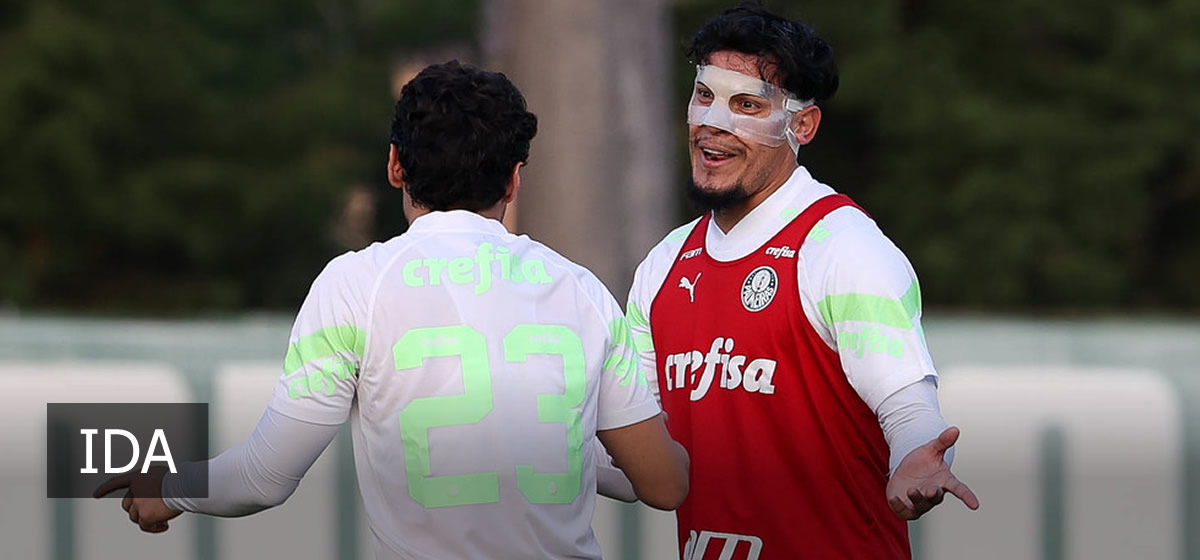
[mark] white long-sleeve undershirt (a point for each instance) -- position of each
(911, 418)
(260, 473)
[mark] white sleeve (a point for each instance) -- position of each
(260, 473)
(320, 370)
(911, 418)
(610, 480)
(647, 281)
(625, 396)
(639, 327)
(861, 295)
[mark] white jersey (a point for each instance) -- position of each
(857, 289)
(476, 367)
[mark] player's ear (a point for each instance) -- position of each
(395, 173)
(514, 183)
(805, 123)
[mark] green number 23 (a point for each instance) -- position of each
(475, 403)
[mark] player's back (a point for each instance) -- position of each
(478, 394)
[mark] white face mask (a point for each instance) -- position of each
(723, 97)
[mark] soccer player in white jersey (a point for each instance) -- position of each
(784, 328)
(477, 368)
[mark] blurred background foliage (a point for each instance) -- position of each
(167, 156)
(170, 156)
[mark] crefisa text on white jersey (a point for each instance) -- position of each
(697, 370)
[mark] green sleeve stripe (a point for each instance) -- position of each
(324, 343)
(871, 308)
(911, 300)
(635, 315)
(618, 330)
(641, 341)
(679, 234)
(626, 369)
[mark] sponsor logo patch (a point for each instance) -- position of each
(759, 288)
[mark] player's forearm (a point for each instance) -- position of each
(671, 487)
(680, 483)
(656, 465)
(258, 474)
(911, 418)
(230, 492)
(611, 482)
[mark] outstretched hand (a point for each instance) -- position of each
(923, 478)
(142, 499)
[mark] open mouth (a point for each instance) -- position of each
(713, 156)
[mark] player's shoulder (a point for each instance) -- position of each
(537, 249)
(559, 266)
(377, 258)
(653, 270)
(350, 268)
(343, 288)
(847, 225)
(669, 246)
(848, 241)
(658, 260)
(360, 270)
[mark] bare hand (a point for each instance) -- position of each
(141, 501)
(923, 478)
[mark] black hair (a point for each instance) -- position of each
(803, 62)
(459, 131)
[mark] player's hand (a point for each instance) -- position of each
(142, 499)
(923, 478)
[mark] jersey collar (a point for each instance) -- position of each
(455, 220)
(766, 219)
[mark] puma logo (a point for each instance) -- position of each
(690, 285)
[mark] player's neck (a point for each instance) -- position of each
(727, 217)
(496, 212)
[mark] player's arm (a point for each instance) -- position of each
(650, 466)
(910, 418)
(656, 465)
(610, 481)
(258, 474)
(865, 302)
(921, 446)
(637, 313)
(311, 400)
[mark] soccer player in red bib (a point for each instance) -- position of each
(783, 328)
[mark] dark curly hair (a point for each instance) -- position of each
(803, 62)
(459, 131)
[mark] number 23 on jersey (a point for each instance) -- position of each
(475, 403)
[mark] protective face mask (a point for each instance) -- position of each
(722, 97)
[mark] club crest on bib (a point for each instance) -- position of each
(759, 288)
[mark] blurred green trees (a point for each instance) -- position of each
(1025, 155)
(169, 155)
(163, 155)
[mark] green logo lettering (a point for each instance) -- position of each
(475, 269)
